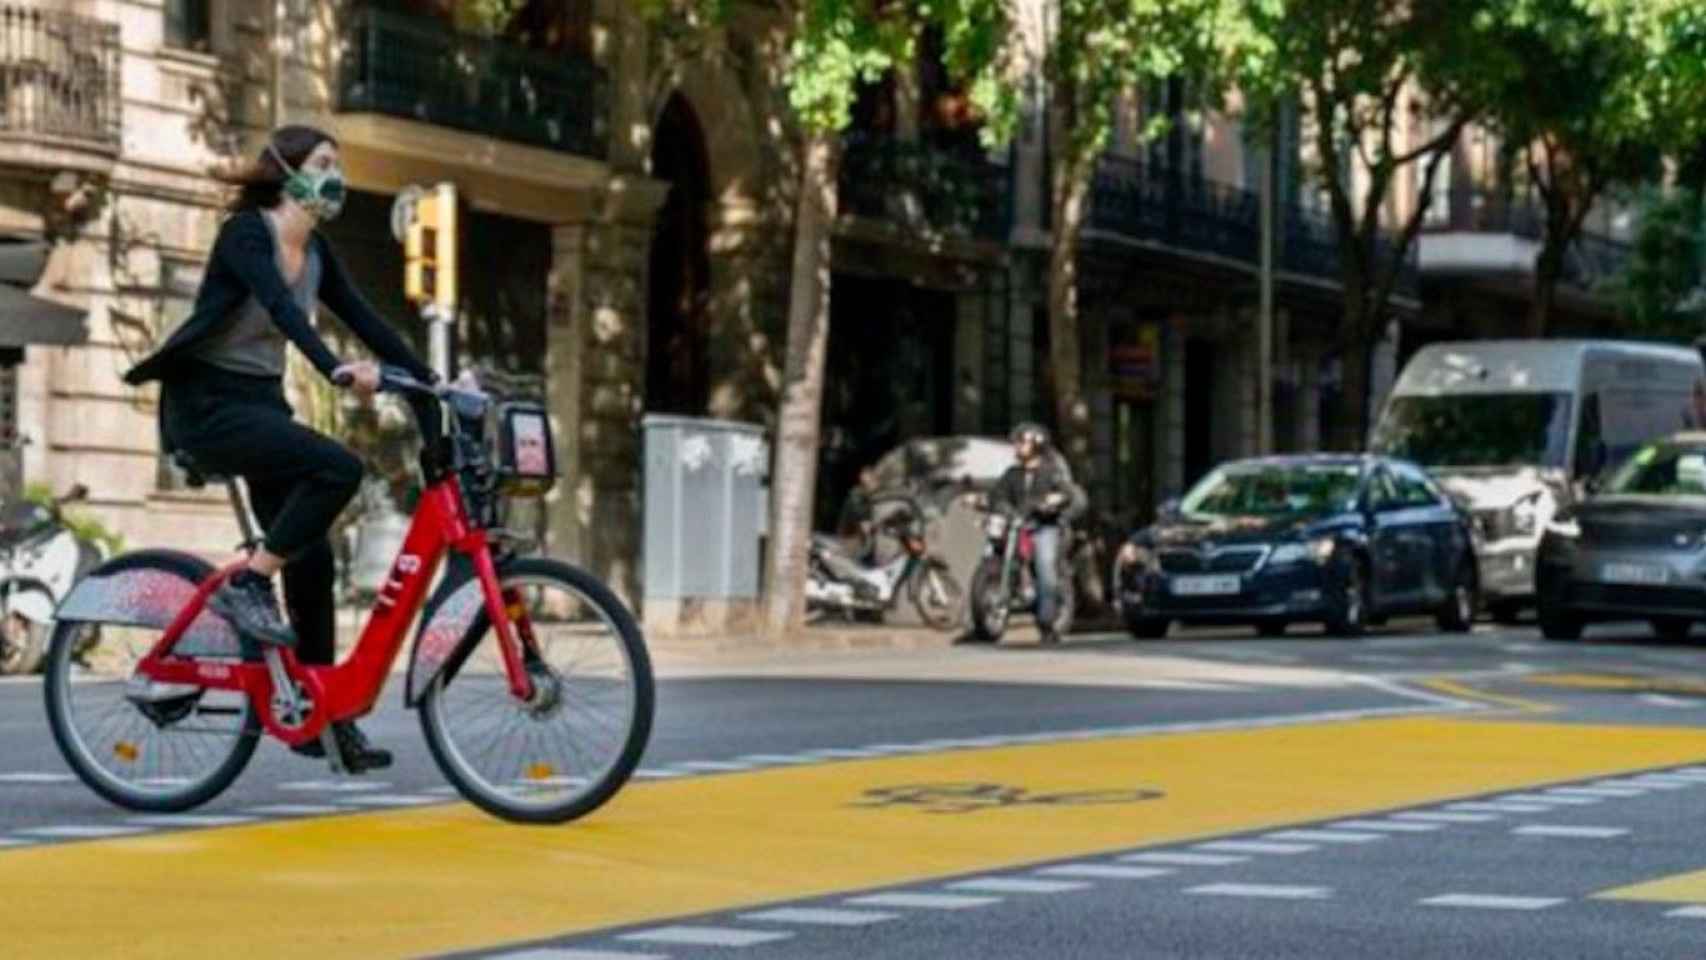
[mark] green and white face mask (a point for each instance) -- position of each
(321, 192)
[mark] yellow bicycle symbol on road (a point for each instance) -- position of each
(973, 797)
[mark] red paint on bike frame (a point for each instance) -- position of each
(1027, 544)
(349, 689)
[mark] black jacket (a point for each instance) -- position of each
(1015, 492)
(244, 263)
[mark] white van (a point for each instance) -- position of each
(1513, 428)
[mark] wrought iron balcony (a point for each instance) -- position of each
(59, 85)
(417, 69)
(1197, 216)
(923, 187)
(1591, 260)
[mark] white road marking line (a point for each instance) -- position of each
(843, 753)
(78, 832)
(773, 759)
(387, 800)
(1017, 885)
(1183, 859)
(713, 766)
(1430, 816)
(36, 778)
(1688, 913)
(820, 916)
(1589, 833)
(335, 786)
(1253, 846)
(1262, 890)
(1102, 871)
(560, 953)
(706, 936)
(1324, 836)
(15, 842)
(1500, 807)
(1642, 783)
(1665, 700)
(1391, 826)
(1662, 782)
(922, 901)
(294, 809)
(1619, 785)
(1689, 779)
(1485, 901)
(1569, 796)
(188, 820)
(660, 773)
(444, 792)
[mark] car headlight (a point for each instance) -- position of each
(1563, 524)
(1525, 516)
(1318, 550)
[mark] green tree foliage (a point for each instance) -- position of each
(1660, 291)
(1385, 88)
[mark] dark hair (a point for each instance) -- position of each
(260, 182)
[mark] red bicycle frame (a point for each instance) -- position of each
(349, 689)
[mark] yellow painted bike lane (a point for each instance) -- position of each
(421, 881)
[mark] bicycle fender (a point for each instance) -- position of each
(453, 622)
(147, 589)
(28, 598)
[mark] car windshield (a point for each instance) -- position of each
(1660, 470)
(1477, 430)
(1273, 490)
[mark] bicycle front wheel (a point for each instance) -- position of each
(567, 752)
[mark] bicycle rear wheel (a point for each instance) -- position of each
(568, 752)
(160, 748)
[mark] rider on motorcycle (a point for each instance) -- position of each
(1037, 488)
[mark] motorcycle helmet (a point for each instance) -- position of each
(1028, 429)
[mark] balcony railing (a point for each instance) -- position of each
(1592, 259)
(417, 69)
(59, 77)
(1199, 216)
(924, 187)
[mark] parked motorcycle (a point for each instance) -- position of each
(40, 558)
(1005, 583)
(839, 582)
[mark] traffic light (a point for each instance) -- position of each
(429, 249)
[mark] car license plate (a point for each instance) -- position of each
(1642, 573)
(1206, 586)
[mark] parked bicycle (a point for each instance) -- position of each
(531, 680)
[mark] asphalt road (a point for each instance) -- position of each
(1210, 795)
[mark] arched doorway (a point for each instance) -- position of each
(678, 375)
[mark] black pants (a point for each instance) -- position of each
(298, 480)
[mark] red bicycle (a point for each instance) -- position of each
(531, 679)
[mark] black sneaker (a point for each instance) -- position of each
(359, 756)
(248, 603)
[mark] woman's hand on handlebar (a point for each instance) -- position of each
(361, 376)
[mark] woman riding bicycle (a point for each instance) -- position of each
(222, 398)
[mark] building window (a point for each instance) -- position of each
(189, 26)
(179, 280)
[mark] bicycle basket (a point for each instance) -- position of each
(526, 452)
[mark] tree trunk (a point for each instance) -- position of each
(1350, 428)
(1548, 270)
(794, 481)
(1070, 189)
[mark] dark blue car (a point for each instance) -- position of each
(1341, 540)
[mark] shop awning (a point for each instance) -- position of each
(27, 320)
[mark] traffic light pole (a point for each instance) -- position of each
(440, 321)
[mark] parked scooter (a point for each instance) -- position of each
(839, 582)
(40, 558)
(1004, 582)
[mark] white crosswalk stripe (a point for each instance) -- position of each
(294, 809)
(1253, 846)
(1324, 836)
(43, 778)
(1017, 885)
(687, 936)
(1391, 826)
(1500, 807)
(561, 953)
(1430, 816)
(79, 832)
(1183, 859)
(819, 916)
(188, 820)
(1274, 891)
(1586, 833)
(922, 901)
(1484, 901)
(1102, 871)
(1688, 913)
